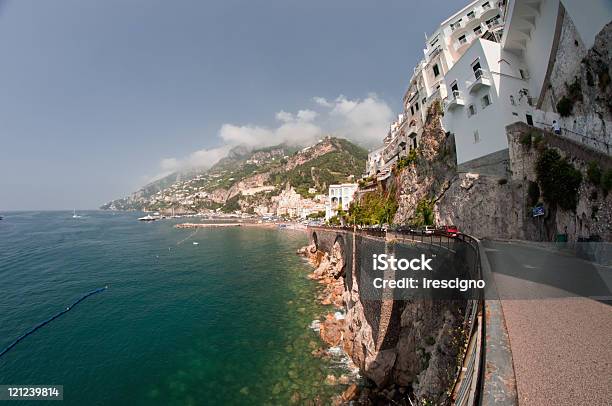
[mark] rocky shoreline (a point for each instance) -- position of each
(331, 327)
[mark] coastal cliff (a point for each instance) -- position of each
(404, 349)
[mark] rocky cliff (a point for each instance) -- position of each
(405, 349)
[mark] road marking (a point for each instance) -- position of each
(491, 250)
(530, 266)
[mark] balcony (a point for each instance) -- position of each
(455, 99)
(483, 79)
(456, 25)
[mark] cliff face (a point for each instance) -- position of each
(431, 174)
(406, 348)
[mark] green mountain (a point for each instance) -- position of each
(247, 178)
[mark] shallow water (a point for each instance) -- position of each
(222, 322)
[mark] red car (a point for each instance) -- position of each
(449, 231)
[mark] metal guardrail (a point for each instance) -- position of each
(470, 375)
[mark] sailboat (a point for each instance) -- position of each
(74, 215)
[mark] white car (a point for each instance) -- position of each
(428, 230)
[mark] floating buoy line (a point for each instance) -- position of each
(50, 319)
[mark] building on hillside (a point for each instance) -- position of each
(375, 163)
(443, 48)
(502, 80)
(487, 91)
(490, 64)
(339, 198)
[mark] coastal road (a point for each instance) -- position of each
(558, 311)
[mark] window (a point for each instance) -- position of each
(455, 25)
(411, 110)
(486, 101)
(476, 69)
(455, 90)
(476, 137)
(478, 30)
(436, 70)
(493, 21)
(416, 106)
(471, 15)
(512, 102)
(471, 110)
(486, 5)
(529, 118)
(522, 72)
(462, 39)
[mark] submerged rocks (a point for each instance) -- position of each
(332, 330)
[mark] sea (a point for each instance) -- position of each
(223, 322)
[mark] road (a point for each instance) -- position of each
(558, 311)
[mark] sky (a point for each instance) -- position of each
(97, 98)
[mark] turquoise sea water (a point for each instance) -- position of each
(222, 322)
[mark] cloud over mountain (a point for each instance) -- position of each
(364, 121)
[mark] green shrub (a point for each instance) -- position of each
(526, 140)
(334, 221)
(589, 78)
(423, 215)
(604, 77)
(594, 173)
(533, 193)
(606, 181)
(558, 179)
(574, 91)
(374, 208)
(537, 138)
(408, 160)
(317, 215)
(565, 107)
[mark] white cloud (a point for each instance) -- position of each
(322, 101)
(364, 121)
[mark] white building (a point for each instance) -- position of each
(487, 91)
(496, 83)
(375, 162)
(339, 197)
(443, 48)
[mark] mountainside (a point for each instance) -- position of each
(246, 178)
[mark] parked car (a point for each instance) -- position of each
(449, 231)
(427, 230)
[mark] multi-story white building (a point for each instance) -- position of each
(375, 162)
(490, 64)
(339, 197)
(500, 80)
(443, 48)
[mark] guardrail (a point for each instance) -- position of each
(469, 379)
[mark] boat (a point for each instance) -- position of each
(148, 217)
(74, 215)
